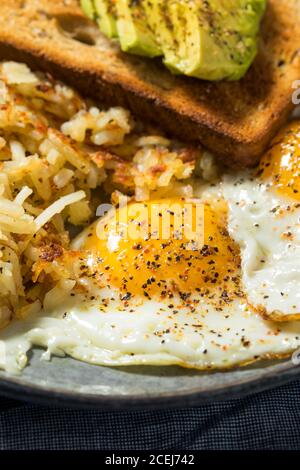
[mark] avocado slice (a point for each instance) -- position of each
(134, 34)
(107, 17)
(178, 25)
(220, 36)
(88, 8)
(163, 29)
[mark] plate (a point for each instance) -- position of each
(66, 382)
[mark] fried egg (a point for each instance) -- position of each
(154, 301)
(147, 298)
(264, 220)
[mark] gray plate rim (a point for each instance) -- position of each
(21, 390)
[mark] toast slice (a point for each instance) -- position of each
(236, 120)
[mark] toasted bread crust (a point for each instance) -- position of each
(236, 120)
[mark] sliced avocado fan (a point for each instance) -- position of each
(206, 39)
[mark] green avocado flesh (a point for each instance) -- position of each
(106, 15)
(134, 33)
(158, 19)
(206, 39)
(224, 44)
(88, 8)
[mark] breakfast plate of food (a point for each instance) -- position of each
(149, 200)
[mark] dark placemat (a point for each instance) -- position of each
(269, 420)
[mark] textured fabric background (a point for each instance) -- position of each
(270, 420)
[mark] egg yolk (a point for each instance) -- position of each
(155, 266)
(280, 166)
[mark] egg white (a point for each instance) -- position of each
(147, 334)
(266, 227)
